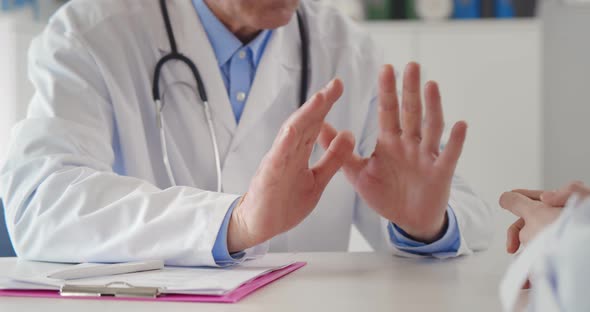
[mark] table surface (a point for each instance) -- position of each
(336, 282)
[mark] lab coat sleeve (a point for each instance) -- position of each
(474, 218)
(561, 275)
(63, 201)
(556, 263)
(572, 272)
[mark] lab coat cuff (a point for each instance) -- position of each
(448, 244)
(221, 254)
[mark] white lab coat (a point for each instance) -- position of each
(556, 262)
(85, 179)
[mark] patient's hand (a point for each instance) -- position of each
(536, 210)
(558, 198)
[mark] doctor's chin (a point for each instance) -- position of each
(308, 154)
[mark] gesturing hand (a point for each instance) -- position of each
(406, 180)
(285, 190)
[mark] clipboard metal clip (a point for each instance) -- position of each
(114, 289)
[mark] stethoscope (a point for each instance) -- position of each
(175, 55)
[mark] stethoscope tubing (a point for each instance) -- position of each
(177, 56)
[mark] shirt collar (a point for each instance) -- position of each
(224, 42)
(258, 45)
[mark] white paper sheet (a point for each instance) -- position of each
(207, 281)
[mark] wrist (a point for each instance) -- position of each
(427, 234)
(237, 232)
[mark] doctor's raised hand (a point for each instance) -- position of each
(407, 180)
(285, 189)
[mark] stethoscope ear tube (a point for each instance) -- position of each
(175, 55)
(304, 35)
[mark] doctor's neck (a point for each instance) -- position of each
(247, 18)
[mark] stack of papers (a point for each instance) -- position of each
(169, 280)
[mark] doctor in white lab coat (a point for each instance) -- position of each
(85, 178)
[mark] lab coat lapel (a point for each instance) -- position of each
(192, 41)
(271, 76)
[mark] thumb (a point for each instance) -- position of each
(337, 153)
(327, 135)
(353, 165)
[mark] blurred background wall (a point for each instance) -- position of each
(515, 70)
(566, 81)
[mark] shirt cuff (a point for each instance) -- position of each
(221, 253)
(449, 243)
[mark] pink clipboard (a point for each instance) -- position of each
(231, 297)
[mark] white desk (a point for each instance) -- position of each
(336, 282)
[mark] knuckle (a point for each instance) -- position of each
(287, 128)
(274, 162)
(388, 105)
(293, 131)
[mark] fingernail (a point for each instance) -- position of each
(409, 66)
(430, 84)
(331, 84)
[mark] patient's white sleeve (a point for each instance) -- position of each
(556, 263)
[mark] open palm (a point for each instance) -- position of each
(406, 180)
(285, 188)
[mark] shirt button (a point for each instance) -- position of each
(242, 54)
(241, 96)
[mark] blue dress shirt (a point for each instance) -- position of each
(448, 244)
(238, 63)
